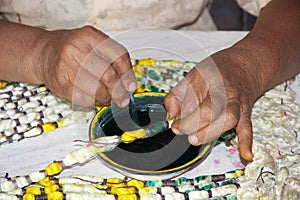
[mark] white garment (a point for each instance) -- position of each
(111, 15)
(253, 6)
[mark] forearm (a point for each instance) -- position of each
(274, 44)
(20, 51)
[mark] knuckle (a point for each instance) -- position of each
(109, 75)
(123, 50)
(105, 100)
(93, 34)
(123, 58)
(103, 97)
(69, 48)
(120, 56)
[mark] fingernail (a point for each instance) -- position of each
(124, 103)
(193, 139)
(132, 87)
(246, 155)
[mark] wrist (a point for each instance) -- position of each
(261, 57)
(239, 72)
(38, 56)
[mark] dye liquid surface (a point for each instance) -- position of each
(160, 152)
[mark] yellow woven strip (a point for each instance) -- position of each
(115, 182)
(2, 84)
(33, 190)
(53, 169)
(46, 182)
(49, 126)
(55, 196)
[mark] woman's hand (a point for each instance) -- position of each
(84, 65)
(216, 96)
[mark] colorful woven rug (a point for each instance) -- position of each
(29, 111)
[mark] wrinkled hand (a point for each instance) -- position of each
(84, 65)
(216, 96)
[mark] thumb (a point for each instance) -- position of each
(245, 136)
(172, 105)
(177, 94)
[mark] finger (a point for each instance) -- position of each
(208, 111)
(172, 105)
(219, 126)
(99, 79)
(245, 135)
(175, 97)
(190, 102)
(80, 99)
(193, 88)
(117, 92)
(102, 95)
(116, 54)
(94, 64)
(88, 76)
(124, 69)
(110, 85)
(86, 81)
(195, 121)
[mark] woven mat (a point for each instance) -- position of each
(28, 111)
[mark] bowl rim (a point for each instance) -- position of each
(205, 149)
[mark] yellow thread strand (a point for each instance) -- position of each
(53, 169)
(135, 183)
(130, 136)
(139, 71)
(49, 126)
(127, 197)
(2, 84)
(122, 190)
(28, 197)
(238, 173)
(139, 89)
(33, 190)
(174, 63)
(51, 188)
(115, 182)
(55, 196)
(148, 62)
(46, 182)
(60, 124)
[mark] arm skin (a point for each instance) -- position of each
(267, 56)
(80, 65)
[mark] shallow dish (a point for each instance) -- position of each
(162, 156)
